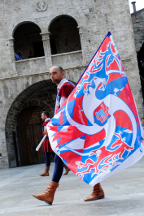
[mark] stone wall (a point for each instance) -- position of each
(138, 27)
(20, 80)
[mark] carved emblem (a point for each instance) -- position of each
(42, 6)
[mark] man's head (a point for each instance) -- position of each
(19, 53)
(142, 120)
(56, 74)
(44, 115)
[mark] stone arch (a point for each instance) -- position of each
(28, 40)
(33, 94)
(64, 35)
(79, 16)
(41, 94)
(58, 16)
(23, 22)
(42, 104)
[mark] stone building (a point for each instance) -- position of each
(138, 27)
(48, 32)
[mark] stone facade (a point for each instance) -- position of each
(21, 81)
(138, 27)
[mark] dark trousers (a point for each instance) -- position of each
(47, 157)
(58, 169)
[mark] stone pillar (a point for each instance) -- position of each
(47, 50)
(83, 46)
(11, 45)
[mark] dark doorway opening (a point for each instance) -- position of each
(53, 46)
(28, 41)
(141, 67)
(64, 35)
(38, 49)
(26, 110)
(29, 134)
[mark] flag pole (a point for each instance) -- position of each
(41, 142)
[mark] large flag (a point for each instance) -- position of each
(97, 132)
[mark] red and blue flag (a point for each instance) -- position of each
(97, 131)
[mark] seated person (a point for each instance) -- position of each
(19, 56)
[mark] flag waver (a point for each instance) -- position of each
(97, 131)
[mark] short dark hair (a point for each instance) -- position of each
(61, 69)
(46, 113)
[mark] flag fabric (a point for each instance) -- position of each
(97, 131)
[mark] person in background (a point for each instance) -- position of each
(20, 54)
(18, 57)
(46, 145)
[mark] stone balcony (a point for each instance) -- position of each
(68, 60)
(38, 65)
(30, 66)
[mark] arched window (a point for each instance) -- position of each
(28, 41)
(64, 35)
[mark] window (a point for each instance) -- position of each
(64, 35)
(28, 41)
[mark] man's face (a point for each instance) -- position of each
(55, 75)
(42, 116)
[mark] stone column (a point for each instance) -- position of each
(47, 50)
(11, 45)
(83, 45)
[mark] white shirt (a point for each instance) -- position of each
(62, 100)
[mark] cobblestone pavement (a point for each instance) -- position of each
(124, 193)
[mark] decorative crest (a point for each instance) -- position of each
(42, 6)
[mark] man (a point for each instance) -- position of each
(18, 57)
(46, 145)
(64, 88)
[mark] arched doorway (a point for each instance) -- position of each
(27, 39)
(64, 35)
(37, 97)
(29, 126)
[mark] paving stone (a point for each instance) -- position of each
(124, 193)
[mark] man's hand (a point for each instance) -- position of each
(45, 131)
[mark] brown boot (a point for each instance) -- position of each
(48, 195)
(66, 170)
(97, 193)
(46, 172)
